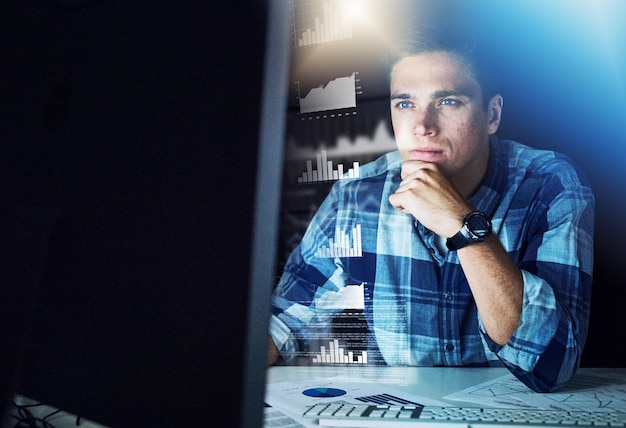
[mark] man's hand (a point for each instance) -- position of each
(431, 198)
(496, 283)
(272, 352)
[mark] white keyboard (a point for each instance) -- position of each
(367, 415)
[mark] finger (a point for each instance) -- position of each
(411, 166)
(418, 177)
(410, 184)
(397, 202)
(405, 200)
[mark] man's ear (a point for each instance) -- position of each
(494, 112)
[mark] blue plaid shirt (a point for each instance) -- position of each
(420, 308)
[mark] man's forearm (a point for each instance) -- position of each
(497, 286)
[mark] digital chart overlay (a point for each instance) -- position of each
(317, 22)
(325, 170)
(339, 93)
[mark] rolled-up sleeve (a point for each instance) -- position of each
(556, 265)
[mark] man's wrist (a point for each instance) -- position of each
(476, 228)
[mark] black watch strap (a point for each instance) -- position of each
(457, 241)
(476, 228)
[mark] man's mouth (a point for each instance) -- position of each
(426, 155)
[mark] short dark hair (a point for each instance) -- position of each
(461, 41)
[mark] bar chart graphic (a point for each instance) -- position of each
(326, 171)
(336, 354)
(316, 21)
(339, 93)
(343, 244)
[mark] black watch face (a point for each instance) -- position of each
(479, 225)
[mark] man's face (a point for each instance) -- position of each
(438, 114)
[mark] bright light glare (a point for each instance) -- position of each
(353, 9)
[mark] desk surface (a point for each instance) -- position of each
(432, 382)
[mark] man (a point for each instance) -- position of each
(476, 251)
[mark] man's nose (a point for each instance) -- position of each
(425, 122)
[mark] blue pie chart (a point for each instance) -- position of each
(324, 392)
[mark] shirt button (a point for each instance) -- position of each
(449, 347)
(447, 296)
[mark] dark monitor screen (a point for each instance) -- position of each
(140, 146)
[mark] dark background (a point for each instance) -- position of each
(128, 146)
(563, 72)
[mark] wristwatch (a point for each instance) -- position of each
(476, 228)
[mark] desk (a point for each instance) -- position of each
(430, 382)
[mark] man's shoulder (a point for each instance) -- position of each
(524, 158)
(381, 166)
(363, 193)
(370, 183)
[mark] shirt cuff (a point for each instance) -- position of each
(281, 335)
(538, 324)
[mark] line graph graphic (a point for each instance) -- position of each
(338, 93)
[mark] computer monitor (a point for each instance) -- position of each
(151, 131)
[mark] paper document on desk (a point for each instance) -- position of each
(294, 398)
(276, 419)
(596, 393)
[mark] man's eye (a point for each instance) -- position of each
(450, 102)
(403, 105)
